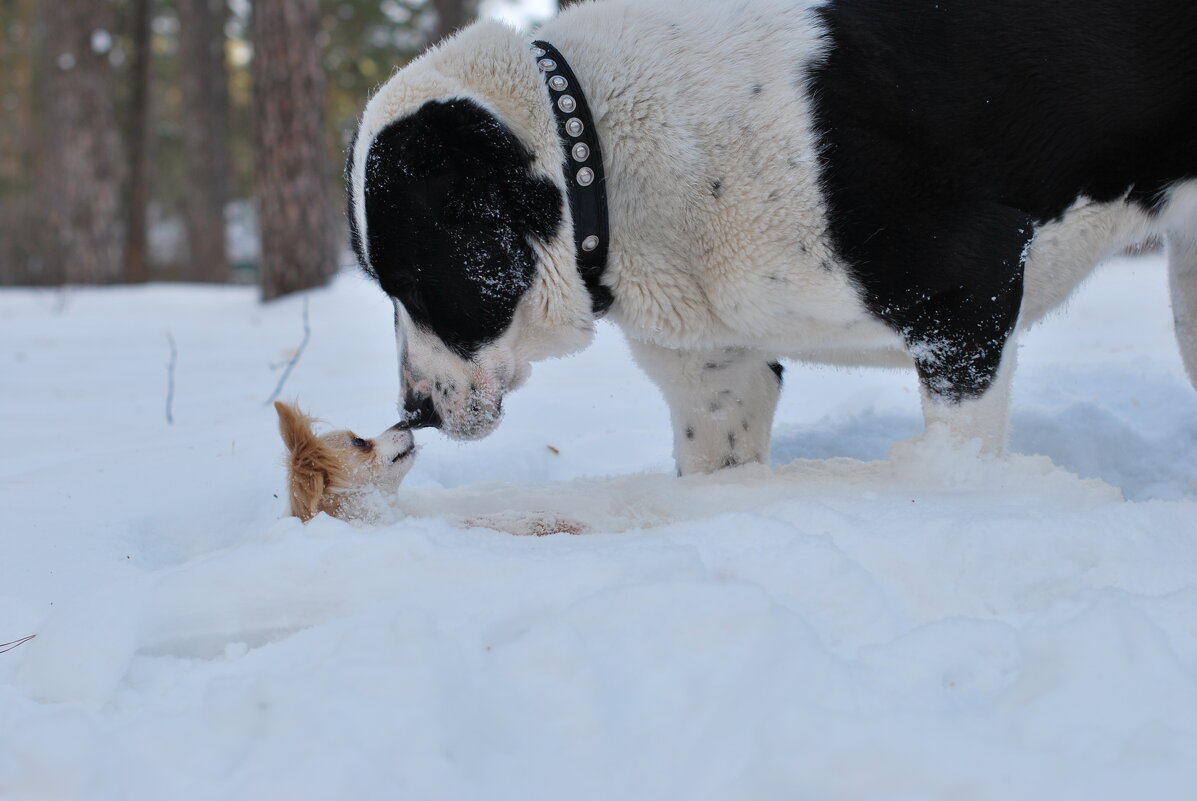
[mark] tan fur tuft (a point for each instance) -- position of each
(313, 469)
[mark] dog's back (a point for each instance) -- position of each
(1079, 117)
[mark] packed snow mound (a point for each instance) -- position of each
(862, 620)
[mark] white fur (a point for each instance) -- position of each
(741, 278)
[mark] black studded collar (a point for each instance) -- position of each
(583, 171)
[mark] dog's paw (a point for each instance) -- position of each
(536, 524)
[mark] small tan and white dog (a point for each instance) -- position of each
(357, 479)
(340, 473)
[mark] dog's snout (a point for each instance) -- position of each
(419, 412)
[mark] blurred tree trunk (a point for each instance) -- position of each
(137, 267)
(451, 16)
(563, 4)
(294, 215)
(80, 159)
(205, 137)
(16, 139)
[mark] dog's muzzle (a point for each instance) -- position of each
(418, 412)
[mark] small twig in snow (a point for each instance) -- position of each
(307, 334)
(5, 647)
(170, 379)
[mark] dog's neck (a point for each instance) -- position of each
(367, 505)
(583, 167)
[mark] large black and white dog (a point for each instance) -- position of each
(850, 181)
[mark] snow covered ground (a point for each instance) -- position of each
(843, 626)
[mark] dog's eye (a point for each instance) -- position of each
(358, 442)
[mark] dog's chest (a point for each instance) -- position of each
(748, 267)
(719, 229)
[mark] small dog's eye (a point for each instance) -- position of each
(358, 442)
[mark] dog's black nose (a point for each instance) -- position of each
(419, 413)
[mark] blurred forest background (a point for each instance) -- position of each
(190, 140)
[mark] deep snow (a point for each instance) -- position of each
(935, 625)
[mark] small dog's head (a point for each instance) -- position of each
(331, 472)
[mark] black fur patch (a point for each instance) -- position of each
(451, 205)
(950, 129)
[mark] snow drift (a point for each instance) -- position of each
(848, 624)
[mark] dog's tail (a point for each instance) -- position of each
(1182, 278)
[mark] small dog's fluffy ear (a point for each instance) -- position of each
(308, 465)
(294, 425)
(306, 483)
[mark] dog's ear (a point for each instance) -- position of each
(306, 482)
(294, 425)
(308, 463)
(539, 205)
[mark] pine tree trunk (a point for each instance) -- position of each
(16, 140)
(141, 142)
(80, 160)
(205, 139)
(294, 215)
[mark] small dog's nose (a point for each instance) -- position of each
(419, 413)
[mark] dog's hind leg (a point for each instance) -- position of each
(1182, 280)
(721, 403)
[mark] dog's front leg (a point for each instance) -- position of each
(721, 403)
(983, 415)
(964, 350)
(946, 275)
